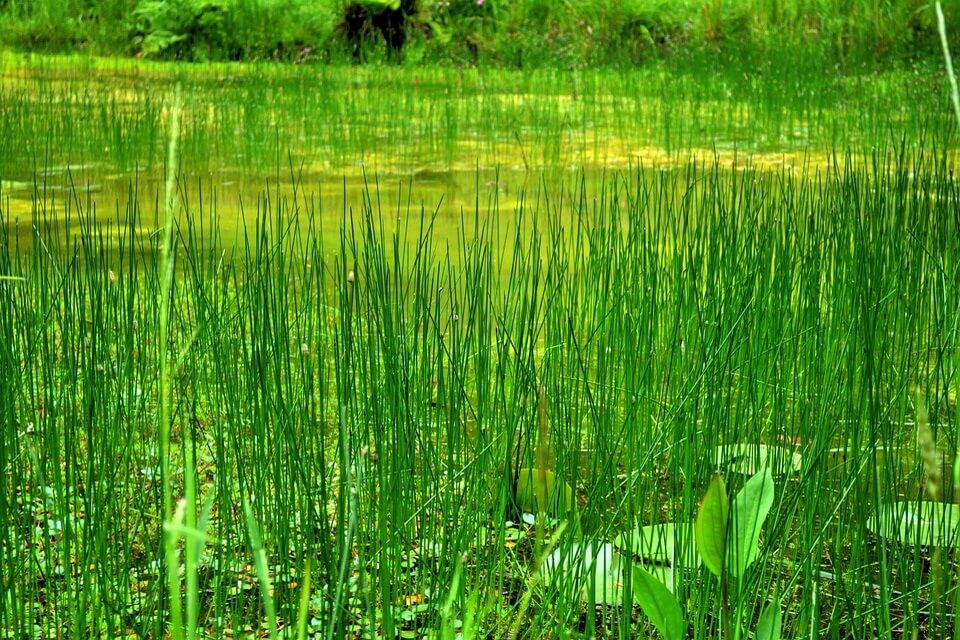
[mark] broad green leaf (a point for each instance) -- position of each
(658, 543)
(917, 523)
(538, 489)
(770, 623)
(711, 525)
(662, 573)
(748, 511)
(658, 604)
(606, 586)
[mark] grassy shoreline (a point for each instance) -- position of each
(524, 34)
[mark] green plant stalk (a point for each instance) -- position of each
(172, 527)
(192, 551)
(262, 569)
(166, 284)
(351, 489)
(447, 630)
(948, 60)
(727, 612)
(303, 611)
(955, 99)
(956, 483)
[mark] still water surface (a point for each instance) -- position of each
(91, 134)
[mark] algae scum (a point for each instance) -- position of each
(452, 351)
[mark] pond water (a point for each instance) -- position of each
(93, 134)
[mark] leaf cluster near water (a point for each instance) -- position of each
(728, 533)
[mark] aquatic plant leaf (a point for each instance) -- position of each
(606, 587)
(596, 571)
(658, 543)
(748, 511)
(748, 459)
(659, 604)
(710, 528)
(770, 624)
(839, 459)
(537, 488)
(917, 523)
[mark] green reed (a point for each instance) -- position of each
(355, 394)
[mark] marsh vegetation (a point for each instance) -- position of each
(364, 352)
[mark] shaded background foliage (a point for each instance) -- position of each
(516, 33)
